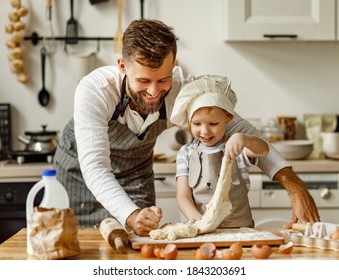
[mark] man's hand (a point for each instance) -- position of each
(145, 220)
(304, 208)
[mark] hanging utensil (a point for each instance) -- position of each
(49, 39)
(93, 2)
(71, 28)
(141, 8)
(43, 95)
(117, 42)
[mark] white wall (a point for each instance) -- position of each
(270, 79)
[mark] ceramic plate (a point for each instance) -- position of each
(332, 156)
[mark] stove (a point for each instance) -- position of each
(20, 156)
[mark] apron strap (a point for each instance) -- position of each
(163, 111)
(124, 101)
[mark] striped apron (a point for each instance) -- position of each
(131, 161)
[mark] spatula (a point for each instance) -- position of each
(72, 28)
(117, 42)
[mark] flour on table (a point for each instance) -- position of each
(212, 217)
(233, 235)
(221, 236)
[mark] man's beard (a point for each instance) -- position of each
(147, 107)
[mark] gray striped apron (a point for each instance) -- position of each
(131, 161)
(204, 171)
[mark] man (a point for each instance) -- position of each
(105, 156)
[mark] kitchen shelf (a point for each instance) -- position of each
(309, 166)
(35, 38)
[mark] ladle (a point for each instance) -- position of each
(43, 93)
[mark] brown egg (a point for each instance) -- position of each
(237, 249)
(147, 251)
(211, 247)
(206, 251)
(202, 254)
(228, 254)
(157, 251)
(335, 235)
(260, 251)
(170, 252)
(286, 248)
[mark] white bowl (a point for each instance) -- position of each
(294, 149)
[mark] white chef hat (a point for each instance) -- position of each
(204, 91)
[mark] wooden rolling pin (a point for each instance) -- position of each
(112, 231)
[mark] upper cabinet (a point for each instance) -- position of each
(267, 20)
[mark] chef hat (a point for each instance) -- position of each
(204, 91)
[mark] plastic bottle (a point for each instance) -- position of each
(55, 196)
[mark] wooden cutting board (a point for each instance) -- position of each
(220, 237)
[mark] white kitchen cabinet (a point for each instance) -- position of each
(267, 20)
(165, 190)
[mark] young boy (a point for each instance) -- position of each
(207, 105)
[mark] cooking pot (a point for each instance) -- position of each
(40, 141)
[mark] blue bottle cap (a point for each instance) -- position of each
(48, 172)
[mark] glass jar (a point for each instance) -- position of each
(273, 132)
(289, 127)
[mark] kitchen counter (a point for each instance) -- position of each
(299, 166)
(33, 170)
(25, 170)
(94, 247)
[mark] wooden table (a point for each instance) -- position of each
(94, 247)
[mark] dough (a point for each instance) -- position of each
(216, 211)
(173, 232)
(220, 205)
